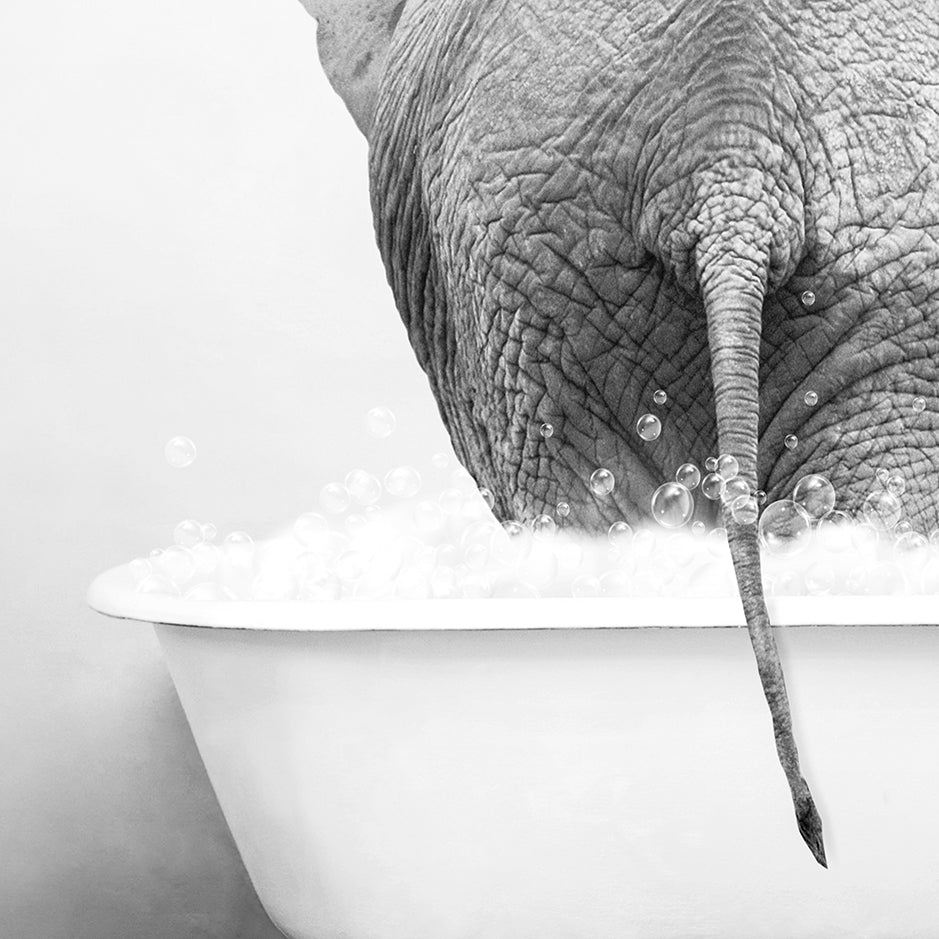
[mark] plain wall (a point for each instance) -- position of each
(185, 248)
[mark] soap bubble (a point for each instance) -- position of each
(563, 509)
(158, 584)
(879, 579)
(902, 527)
(815, 494)
(834, 531)
(864, 538)
(585, 585)
(882, 509)
(429, 517)
(403, 482)
(334, 498)
(476, 586)
(140, 569)
(660, 397)
(727, 467)
(698, 529)
(355, 523)
(311, 529)
(273, 583)
(883, 474)
(619, 533)
(546, 430)
(602, 482)
(672, 505)
(210, 591)
(206, 558)
(350, 565)
(476, 556)
(811, 398)
(785, 528)
(615, 583)
(919, 405)
(735, 488)
(363, 487)
(744, 510)
(380, 422)
(819, 578)
(180, 452)
(911, 551)
(238, 548)
(440, 461)
(321, 586)
(444, 583)
(513, 543)
(177, 563)
(807, 298)
(451, 501)
(187, 533)
(791, 441)
(688, 475)
(543, 526)
(209, 531)
(712, 486)
(760, 497)
(896, 484)
(649, 427)
(487, 496)
(717, 542)
(710, 464)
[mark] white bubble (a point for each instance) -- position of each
(727, 467)
(380, 422)
(919, 405)
(760, 497)
(834, 531)
(140, 569)
(180, 452)
(210, 591)
(688, 475)
(363, 487)
(403, 482)
(187, 533)
(273, 583)
(444, 583)
(585, 585)
(563, 509)
(209, 531)
(158, 584)
(735, 488)
(815, 494)
(883, 474)
(896, 484)
(429, 517)
(311, 529)
(712, 486)
(619, 533)
(487, 496)
(785, 529)
(350, 565)
(451, 501)
(238, 548)
(744, 510)
(649, 427)
(811, 398)
(334, 498)
(717, 543)
(807, 298)
(177, 563)
(882, 509)
(440, 460)
(672, 505)
(819, 578)
(476, 586)
(321, 586)
(660, 397)
(543, 526)
(546, 430)
(698, 529)
(791, 441)
(602, 482)
(616, 584)
(710, 464)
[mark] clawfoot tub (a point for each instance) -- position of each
(545, 769)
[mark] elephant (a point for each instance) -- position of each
(581, 202)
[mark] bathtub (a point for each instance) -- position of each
(562, 769)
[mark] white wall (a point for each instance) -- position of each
(185, 247)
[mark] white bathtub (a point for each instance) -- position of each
(542, 769)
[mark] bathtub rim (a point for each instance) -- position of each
(113, 594)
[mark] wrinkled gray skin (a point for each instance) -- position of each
(581, 201)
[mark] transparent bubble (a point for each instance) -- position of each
(177, 563)
(919, 404)
(310, 529)
(461, 479)
(710, 464)
(363, 487)
(546, 430)
(896, 484)
(476, 586)
(649, 427)
(717, 542)
(440, 461)
(429, 517)
(334, 498)
(615, 584)
(475, 556)
(734, 489)
(585, 585)
(563, 509)
(209, 531)
(180, 452)
(404, 482)
(513, 544)
(815, 494)
(807, 298)
(811, 398)
(187, 533)
(744, 510)
(882, 475)
(355, 523)
(819, 578)
(902, 527)
(688, 475)
(712, 486)
(834, 531)
(660, 397)
(864, 538)
(698, 529)
(760, 497)
(444, 583)
(350, 565)
(156, 552)
(911, 551)
(880, 579)
(206, 557)
(602, 482)
(543, 526)
(140, 569)
(791, 441)
(934, 537)
(210, 590)
(727, 467)
(158, 584)
(238, 549)
(487, 495)
(273, 583)
(882, 509)
(672, 505)
(785, 528)
(620, 533)
(787, 584)
(321, 586)
(380, 422)
(451, 501)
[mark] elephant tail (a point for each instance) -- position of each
(732, 276)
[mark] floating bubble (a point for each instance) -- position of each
(819, 578)
(585, 585)
(883, 475)
(440, 461)
(735, 488)
(476, 586)
(404, 482)
(487, 496)
(791, 441)
(698, 529)
(616, 584)
(807, 298)
(321, 586)
(760, 497)
(429, 517)
(811, 398)
(513, 544)
(444, 583)
(476, 556)
(717, 542)
(660, 397)
(727, 467)
(785, 528)
(744, 510)
(712, 486)
(672, 505)
(688, 475)
(919, 404)
(380, 422)
(543, 526)
(649, 427)
(911, 551)
(238, 548)
(896, 484)
(363, 487)
(619, 533)
(356, 523)
(310, 529)
(834, 531)
(334, 498)
(350, 565)
(451, 501)
(209, 531)
(177, 563)
(563, 509)
(880, 579)
(602, 482)
(140, 569)
(158, 584)
(815, 494)
(206, 557)
(882, 510)
(188, 533)
(180, 452)
(546, 430)
(273, 583)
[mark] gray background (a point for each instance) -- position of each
(186, 249)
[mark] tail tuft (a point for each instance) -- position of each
(810, 826)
